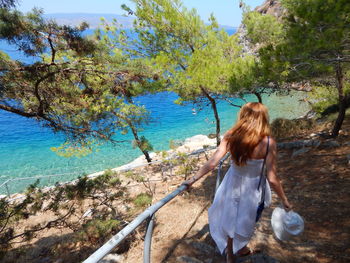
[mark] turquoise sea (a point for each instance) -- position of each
(25, 145)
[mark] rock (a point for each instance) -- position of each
(260, 258)
(299, 144)
(112, 258)
(348, 157)
(300, 151)
(44, 260)
(196, 142)
(88, 213)
(257, 258)
(187, 259)
(212, 136)
(330, 144)
(46, 204)
(311, 114)
(203, 247)
(316, 143)
(323, 170)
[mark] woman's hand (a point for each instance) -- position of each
(189, 182)
(287, 206)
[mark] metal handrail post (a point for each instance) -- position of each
(116, 239)
(148, 241)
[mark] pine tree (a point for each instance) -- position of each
(196, 59)
(310, 43)
(74, 85)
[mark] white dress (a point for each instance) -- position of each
(233, 211)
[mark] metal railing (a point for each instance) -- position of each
(7, 183)
(148, 214)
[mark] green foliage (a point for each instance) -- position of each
(79, 86)
(164, 154)
(195, 59)
(283, 128)
(186, 164)
(310, 44)
(262, 29)
(64, 202)
(68, 150)
(136, 177)
(97, 230)
(143, 144)
(324, 99)
(142, 200)
(306, 41)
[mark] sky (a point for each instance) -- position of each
(227, 12)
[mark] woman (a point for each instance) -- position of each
(232, 216)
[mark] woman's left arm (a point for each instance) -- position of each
(211, 163)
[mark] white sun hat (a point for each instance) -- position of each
(286, 224)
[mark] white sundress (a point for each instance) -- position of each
(234, 208)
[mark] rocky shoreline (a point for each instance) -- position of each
(191, 146)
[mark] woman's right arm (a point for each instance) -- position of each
(211, 163)
(272, 177)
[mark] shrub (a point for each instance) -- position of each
(136, 177)
(324, 99)
(186, 164)
(282, 128)
(143, 200)
(98, 230)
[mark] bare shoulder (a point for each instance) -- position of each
(260, 150)
(224, 141)
(271, 141)
(267, 140)
(227, 135)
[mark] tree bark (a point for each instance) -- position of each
(341, 100)
(216, 115)
(134, 132)
(258, 95)
(18, 111)
(138, 142)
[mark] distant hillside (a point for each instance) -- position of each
(94, 20)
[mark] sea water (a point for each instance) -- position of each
(25, 145)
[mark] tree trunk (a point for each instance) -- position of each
(341, 100)
(136, 136)
(258, 95)
(216, 115)
(138, 142)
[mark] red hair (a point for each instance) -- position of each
(251, 127)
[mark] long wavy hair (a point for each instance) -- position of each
(251, 127)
